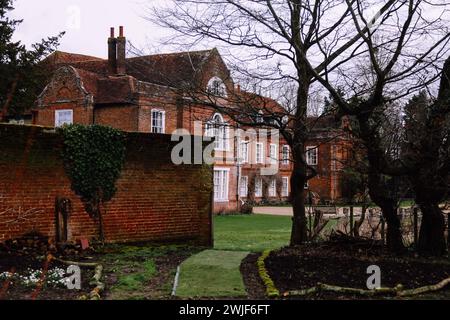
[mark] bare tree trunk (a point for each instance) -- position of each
(299, 222)
(431, 237)
(380, 196)
(394, 240)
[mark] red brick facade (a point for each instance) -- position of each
(154, 199)
(98, 93)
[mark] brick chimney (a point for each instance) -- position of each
(121, 52)
(112, 53)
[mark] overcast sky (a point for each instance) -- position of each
(86, 23)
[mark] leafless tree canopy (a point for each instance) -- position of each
(367, 54)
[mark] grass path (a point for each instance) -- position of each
(253, 233)
(212, 273)
(216, 273)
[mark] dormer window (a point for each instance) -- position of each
(260, 117)
(216, 87)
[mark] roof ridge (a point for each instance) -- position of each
(172, 53)
(94, 58)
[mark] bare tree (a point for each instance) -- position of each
(426, 150)
(404, 51)
(308, 43)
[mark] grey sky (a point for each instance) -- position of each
(86, 23)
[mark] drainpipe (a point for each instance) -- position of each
(238, 170)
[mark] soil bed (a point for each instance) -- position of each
(13, 290)
(252, 281)
(344, 265)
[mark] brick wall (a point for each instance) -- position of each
(154, 200)
(123, 117)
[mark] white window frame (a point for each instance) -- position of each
(312, 150)
(217, 87)
(243, 186)
(221, 194)
(285, 187)
(243, 156)
(217, 128)
(272, 188)
(57, 117)
(258, 187)
(285, 156)
(273, 153)
(163, 121)
(260, 117)
(259, 147)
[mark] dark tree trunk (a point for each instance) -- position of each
(299, 174)
(299, 222)
(380, 196)
(431, 237)
(394, 240)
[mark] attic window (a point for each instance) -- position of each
(217, 87)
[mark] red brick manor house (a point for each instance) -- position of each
(141, 94)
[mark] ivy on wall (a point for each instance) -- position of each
(93, 159)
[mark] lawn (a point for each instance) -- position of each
(141, 272)
(212, 273)
(253, 233)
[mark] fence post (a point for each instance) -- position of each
(416, 228)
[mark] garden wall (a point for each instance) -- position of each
(155, 200)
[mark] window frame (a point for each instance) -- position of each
(285, 160)
(310, 149)
(217, 122)
(224, 190)
(57, 117)
(163, 121)
(261, 159)
(274, 158)
(244, 157)
(243, 193)
(285, 187)
(272, 187)
(258, 182)
(217, 87)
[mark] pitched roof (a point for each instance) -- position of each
(60, 57)
(173, 69)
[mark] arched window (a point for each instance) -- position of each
(217, 87)
(260, 117)
(217, 128)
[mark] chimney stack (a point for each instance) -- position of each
(117, 53)
(121, 52)
(112, 53)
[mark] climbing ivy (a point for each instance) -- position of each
(93, 159)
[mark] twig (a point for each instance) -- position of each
(397, 290)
